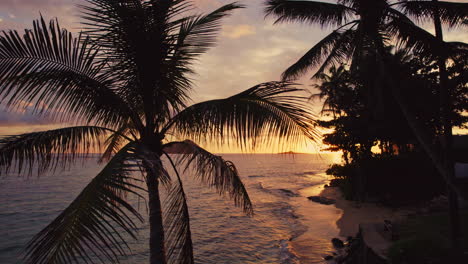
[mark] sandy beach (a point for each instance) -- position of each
(354, 213)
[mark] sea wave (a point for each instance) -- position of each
(287, 254)
(221, 233)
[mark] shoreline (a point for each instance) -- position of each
(354, 213)
(314, 244)
(340, 220)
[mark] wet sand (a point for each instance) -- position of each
(320, 221)
(339, 220)
(354, 213)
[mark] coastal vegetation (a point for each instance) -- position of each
(396, 161)
(383, 70)
(123, 83)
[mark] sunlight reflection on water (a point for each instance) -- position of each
(286, 228)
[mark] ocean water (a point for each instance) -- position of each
(286, 228)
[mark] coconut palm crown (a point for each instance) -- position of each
(124, 84)
(363, 29)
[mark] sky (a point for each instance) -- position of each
(250, 50)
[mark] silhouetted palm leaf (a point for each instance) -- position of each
(116, 140)
(414, 38)
(94, 223)
(260, 115)
(333, 48)
(370, 34)
(342, 51)
(58, 73)
(451, 13)
(177, 223)
(215, 172)
(321, 13)
(198, 33)
(48, 148)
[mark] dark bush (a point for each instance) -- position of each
(393, 180)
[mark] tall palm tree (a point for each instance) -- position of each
(437, 11)
(363, 30)
(124, 84)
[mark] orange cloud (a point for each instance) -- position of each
(238, 31)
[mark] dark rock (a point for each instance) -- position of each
(335, 183)
(321, 200)
(328, 257)
(349, 238)
(288, 192)
(337, 243)
(326, 186)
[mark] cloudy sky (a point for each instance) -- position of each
(250, 50)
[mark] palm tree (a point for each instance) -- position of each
(437, 11)
(336, 90)
(364, 29)
(124, 84)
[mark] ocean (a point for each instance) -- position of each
(287, 228)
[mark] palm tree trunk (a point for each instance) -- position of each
(157, 247)
(445, 103)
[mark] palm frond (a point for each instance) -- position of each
(412, 37)
(313, 57)
(198, 33)
(115, 141)
(150, 45)
(177, 223)
(94, 224)
(58, 74)
(48, 149)
(195, 36)
(214, 171)
(342, 52)
(260, 115)
(325, 14)
(134, 49)
(333, 48)
(450, 13)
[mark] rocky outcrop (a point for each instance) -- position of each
(321, 200)
(369, 246)
(288, 192)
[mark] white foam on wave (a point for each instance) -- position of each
(287, 254)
